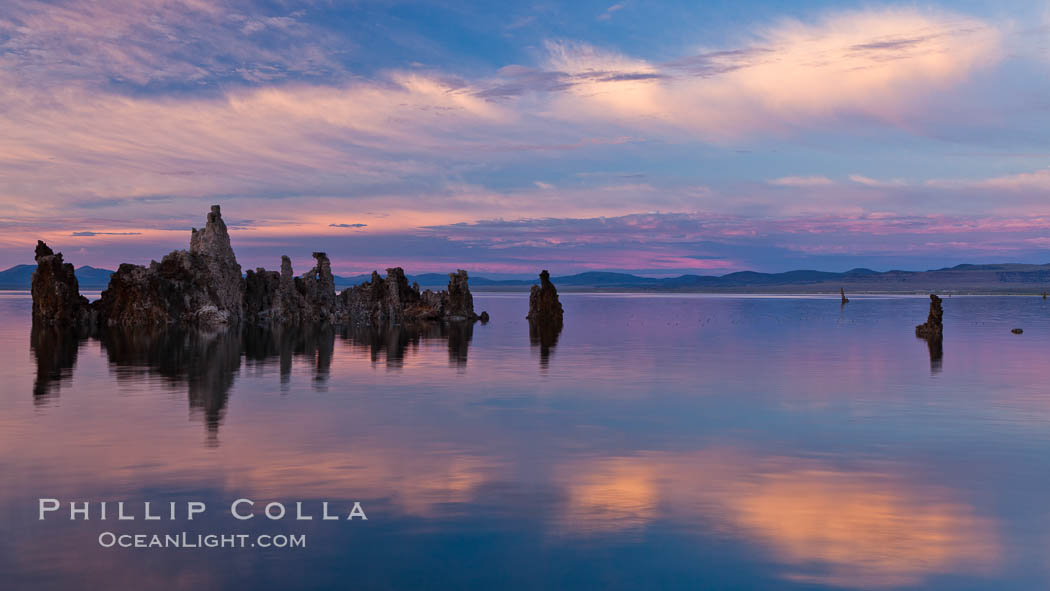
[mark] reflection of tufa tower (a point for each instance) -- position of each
(545, 316)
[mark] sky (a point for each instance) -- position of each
(652, 137)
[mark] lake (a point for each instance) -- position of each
(658, 442)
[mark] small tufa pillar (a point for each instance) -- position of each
(545, 317)
(544, 306)
(933, 328)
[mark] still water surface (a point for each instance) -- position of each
(663, 442)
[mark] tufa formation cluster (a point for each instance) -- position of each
(203, 287)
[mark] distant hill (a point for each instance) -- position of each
(1000, 278)
(21, 277)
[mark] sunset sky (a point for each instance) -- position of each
(654, 137)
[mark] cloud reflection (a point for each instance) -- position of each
(825, 524)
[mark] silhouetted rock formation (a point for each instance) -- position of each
(211, 246)
(203, 288)
(392, 300)
(544, 307)
(386, 301)
(933, 328)
(199, 287)
(318, 288)
(272, 297)
(545, 317)
(56, 293)
(1017, 331)
(460, 305)
(261, 293)
(842, 292)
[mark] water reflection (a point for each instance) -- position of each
(393, 343)
(936, 347)
(55, 352)
(207, 363)
(832, 525)
(686, 443)
(545, 336)
(264, 345)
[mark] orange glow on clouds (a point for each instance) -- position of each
(826, 525)
(877, 63)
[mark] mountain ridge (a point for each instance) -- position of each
(976, 278)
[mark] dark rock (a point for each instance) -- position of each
(318, 289)
(842, 292)
(933, 328)
(435, 301)
(56, 293)
(290, 303)
(1017, 331)
(393, 301)
(203, 288)
(273, 297)
(544, 306)
(460, 304)
(386, 301)
(199, 287)
(211, 247)
(262, 296)
(545, 317)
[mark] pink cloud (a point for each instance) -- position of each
(878, 63)
(802, 181)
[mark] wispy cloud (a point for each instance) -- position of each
(802, 181)
(90, 233)
(161, 42)
(877, 64)
(139, 115)
(883, 183)
(611, 10)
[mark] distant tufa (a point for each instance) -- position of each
(933, 328)
(545, 317)
(544, 307)
(203, 287)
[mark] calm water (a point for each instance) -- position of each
(674, 442)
